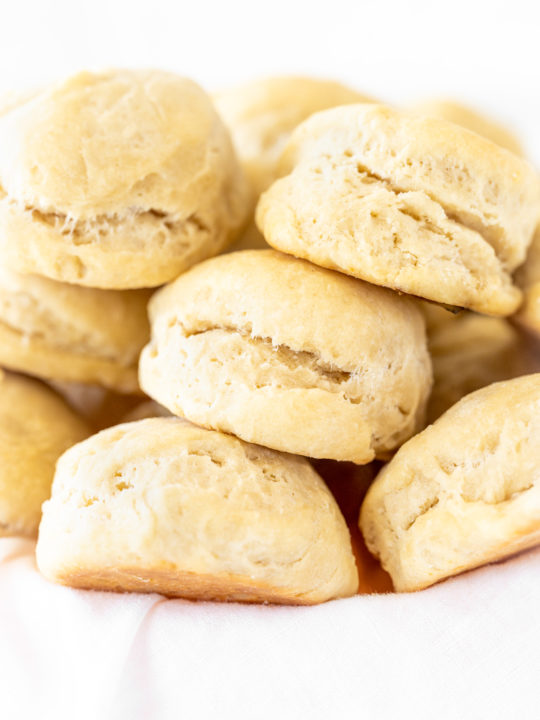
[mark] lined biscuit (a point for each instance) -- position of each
(409, 202)
(64, 332)
(36, 426)
(289, 355)
(160, 505)
(119, 179)
(462, 493)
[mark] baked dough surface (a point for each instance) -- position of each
(160, 505)
(118, 179)
(462, 493)
(413, 203)
(289, 355)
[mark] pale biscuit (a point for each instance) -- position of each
(468, 352)
(161, 505)
(119, 179)
(36, 426)
(528, 278)
(65, 332)
(471, 119)
(261, 115)
(291, 356)
(464, 492)
(414, 203)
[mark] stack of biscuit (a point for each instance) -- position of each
(288, 389)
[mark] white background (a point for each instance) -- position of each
(484, 52)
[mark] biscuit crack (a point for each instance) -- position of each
(423, 510)
(287, 355)
(492, 236)
(82, 231)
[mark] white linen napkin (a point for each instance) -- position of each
(466, 648)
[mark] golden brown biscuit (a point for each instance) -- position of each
(468, 352)
(288, 355)
(409, 202)
(528, 278)
(472, 120)
(64, 332)
(161, 505)
(118, 179)
(462, 493)
(36, 426)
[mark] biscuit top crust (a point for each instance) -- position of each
(480, 429)
(265, 294)
(99, 143)
(191, 457)
(163, 493)
(477, 183)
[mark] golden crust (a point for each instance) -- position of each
(59, 331)
(280, 352)
(413, 203)
(176, 583)
(164, 506)
(35, 428)
(154, 185)
(462, 493)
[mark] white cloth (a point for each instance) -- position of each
(466, 648)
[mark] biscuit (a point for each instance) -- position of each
(36, 426)
(160, 505)
(472, 120)
(288, 355)
(462, 493)
(528, 278)
(261, 115)
(468, 352)
(59, 331)
(409, 202)
(118, 179)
